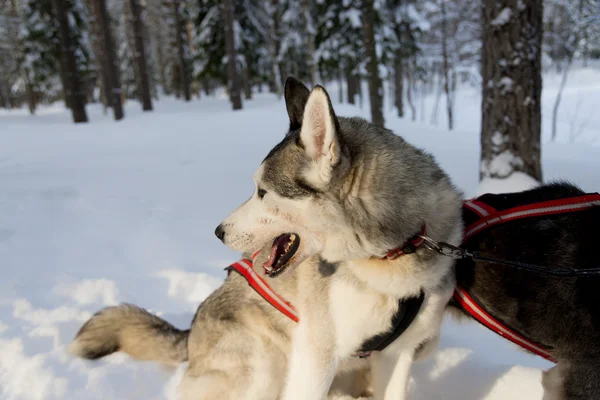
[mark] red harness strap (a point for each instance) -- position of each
(244, 267)
(477, 312)
(490, 217)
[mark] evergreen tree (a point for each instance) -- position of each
(45, 66)
(105, 44)
(159, 43)
(451, 46)
(339, 43)
(369, 18)
(65, 14)
(182, 68)
(401, 24)
(252, 50)
(11, 52)
(209, 43)
(143, 78)
(230, 42)
(251, 24)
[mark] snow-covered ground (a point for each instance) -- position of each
(97, 214)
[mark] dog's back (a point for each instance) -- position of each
(560, 313)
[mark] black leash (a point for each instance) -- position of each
(458, 253)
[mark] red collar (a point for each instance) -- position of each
(407, 248)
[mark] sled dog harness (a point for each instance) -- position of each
(480, 216)
(408, 308)
(244, 268)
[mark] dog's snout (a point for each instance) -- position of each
(220, 232)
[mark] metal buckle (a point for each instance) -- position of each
(445, 249)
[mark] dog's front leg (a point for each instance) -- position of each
(312, 365)
(391, 371)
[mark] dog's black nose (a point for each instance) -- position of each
(220, 232)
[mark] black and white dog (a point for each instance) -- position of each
(560, 313)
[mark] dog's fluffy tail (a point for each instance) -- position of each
(134, 331)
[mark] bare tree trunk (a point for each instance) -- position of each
(563, 81)
(110, 70)
(97, 47)
(183, 68)
(140, 55)
(275, 46)
(438, 96)
(340, 80)
(399, 84)
(409, 92)
(391, 90)
(72, 84)
(511, 98)
(162, 69)
(155, 14)
(350, 86)
(247, 80)
(31, 103)
(360, 90)
(422, 98)
(189, 28)
(233, 84)
(150, 53)
(4, 94)
(310, 41)
(445, 56)
(375, 86)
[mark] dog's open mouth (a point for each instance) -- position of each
(283, 249)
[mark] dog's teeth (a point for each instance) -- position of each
(269, 268)
(292, 238)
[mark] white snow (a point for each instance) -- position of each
(503, 164)
(503, 17)
(97, 214)
(505, 84)
(353, 16)
(517, 181)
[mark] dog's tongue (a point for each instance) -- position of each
(276, 250)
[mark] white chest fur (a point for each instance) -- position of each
(358, 314)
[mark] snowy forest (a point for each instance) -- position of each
(129, 129)
(113, 51)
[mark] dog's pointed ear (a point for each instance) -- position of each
(296, 96)
(319, 133)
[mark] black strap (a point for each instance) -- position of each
(459, 253)
(407, 312)
(544, 270)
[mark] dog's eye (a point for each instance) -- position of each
(261, 193)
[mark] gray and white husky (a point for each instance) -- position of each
(336, 195)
